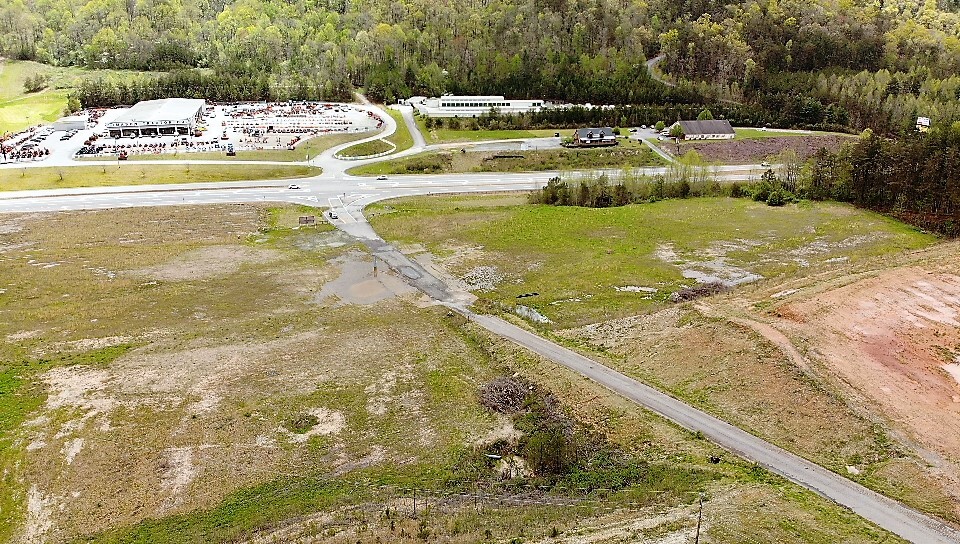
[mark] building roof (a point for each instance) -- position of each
(163, 110)
(596, 132)
(713, 126)
(474, 98)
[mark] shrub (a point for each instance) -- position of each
(777, 197)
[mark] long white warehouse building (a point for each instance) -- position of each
(471, 106)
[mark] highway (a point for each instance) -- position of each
(348, 195)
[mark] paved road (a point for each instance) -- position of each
(887, 513)
(349, 195)
(654, 73)
(317, 191)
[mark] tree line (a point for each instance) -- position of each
(915, 178)
(765, 56)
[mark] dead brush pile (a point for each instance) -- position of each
(698, 291)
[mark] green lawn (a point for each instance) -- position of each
(20, 179)
(575, 258)
(366, 149)
(402, 137)
(446, 135)
(630, 154)
(754, 133)
(19, 110)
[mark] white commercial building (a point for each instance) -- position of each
(71, 122)
(165, 117)
(471, 106)
(718, 129)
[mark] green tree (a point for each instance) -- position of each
(705, 115)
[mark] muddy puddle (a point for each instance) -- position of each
(360, 284)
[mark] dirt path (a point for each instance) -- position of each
(768, 332)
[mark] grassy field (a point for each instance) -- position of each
(19, 110)
(310, 148)
(178, 374)
(630, 154)
(576, 258)
(21, 179)
(402, 139)
(446, 135)
(745, 133)
(604, 278)
(365, 149)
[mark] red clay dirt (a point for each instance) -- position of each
(894, 338)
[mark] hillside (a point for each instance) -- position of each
(791, 63)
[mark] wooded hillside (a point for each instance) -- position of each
(861, 63)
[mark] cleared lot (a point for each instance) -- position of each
(184, 374)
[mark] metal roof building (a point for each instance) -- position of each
(594, 137)
(713, 129)
(167, 116)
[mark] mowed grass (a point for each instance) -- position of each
(401, 139)
(21, 179)
(744, 133)
(19, 110)
(630, 154)
(366, 149)
(446, 135)
(576, 258)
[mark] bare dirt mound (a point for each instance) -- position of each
(747, 151)
(895, 338)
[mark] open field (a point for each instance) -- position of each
(446, 135)
(215, 374)
(889, 335)
(744, 133)
(19, 110)
(630, 154)
(402, 137)
(19, 179)
(594, 264)
(754, 149)
(366, 149)
(310, 148)
(603, 278)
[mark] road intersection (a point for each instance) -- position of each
(348, 195)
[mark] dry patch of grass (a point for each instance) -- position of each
(152, 395)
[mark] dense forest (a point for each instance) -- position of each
(861, 63)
